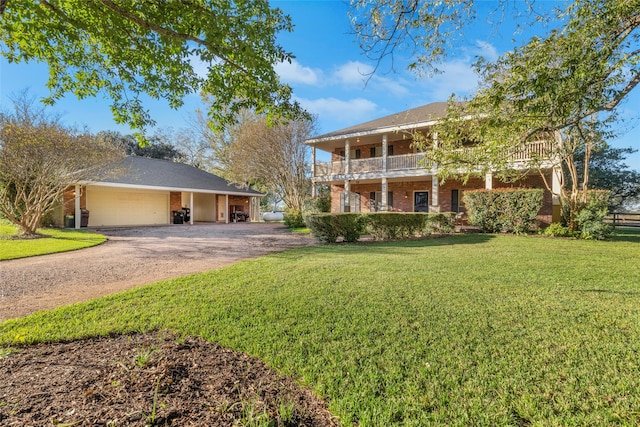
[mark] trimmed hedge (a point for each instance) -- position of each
(380, 225)
(328, 227)
(406, 225)
(504, 210)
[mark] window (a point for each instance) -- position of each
(390, 150)
(372, 152)
(342, 154)
(455, 204)
(390, 199)
(357, 156)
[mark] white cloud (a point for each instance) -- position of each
(294, 72)
(457, 77)
(486, 50)
(457, 74)
(358, 75)
(339, 111)
(353, 73)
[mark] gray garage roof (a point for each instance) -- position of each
(142, 172)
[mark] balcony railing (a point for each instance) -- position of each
(534, 150)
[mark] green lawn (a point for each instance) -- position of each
(56, 240)
(463, 330)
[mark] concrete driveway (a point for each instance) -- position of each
(133, 257)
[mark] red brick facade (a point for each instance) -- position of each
(403, 193)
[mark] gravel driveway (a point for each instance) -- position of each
(132, 257)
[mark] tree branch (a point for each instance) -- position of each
(170, 33)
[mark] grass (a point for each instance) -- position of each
(55, 240)
(465, 330)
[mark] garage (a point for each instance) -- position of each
(141, 191)
(121, 206)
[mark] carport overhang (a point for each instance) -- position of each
(253, 197)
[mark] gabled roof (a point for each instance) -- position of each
(142, 172)
(422, 115)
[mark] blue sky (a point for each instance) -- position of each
(327, 76)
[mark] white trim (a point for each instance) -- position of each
(182, 190)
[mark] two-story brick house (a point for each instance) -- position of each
(375, 167)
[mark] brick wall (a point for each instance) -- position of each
(68, 200)
(175, 201)
(403, 193)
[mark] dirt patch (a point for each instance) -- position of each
(149, 380)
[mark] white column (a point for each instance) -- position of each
(77, 211)
(556, 189)
(347, 156)
(226, 209)
(347, 196)
(384, 153)
(488, 181)
(191, 208)
(435, 189)
(313, 162)
(314, 189)
(383, 196)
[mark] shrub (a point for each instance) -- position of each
(444, 222)
(322, 227)
(328, 227)
(396, 225)
(590, 219)
(349, 225)
(294, 219)
(504, 210)
(558, 230)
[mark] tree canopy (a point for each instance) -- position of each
(560, 90)
(272, 157)
(39, 159)
(127, 48)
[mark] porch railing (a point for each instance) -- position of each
(534, 150)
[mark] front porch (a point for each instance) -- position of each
(426, 194)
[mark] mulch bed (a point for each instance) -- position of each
(153, 379)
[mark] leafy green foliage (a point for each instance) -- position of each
(322, 202)
(294, 219)
(607, 171)
(556, 229)
(590, 219)
(127, 49)
(504, 210)
(39, 159)
(322, 227)
(406, 225)
(380, 225)
(491, 330)
(328, 227)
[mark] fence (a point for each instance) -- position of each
(624, 219)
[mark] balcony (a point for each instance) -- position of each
(411, 162)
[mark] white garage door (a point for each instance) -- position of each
(116, 206)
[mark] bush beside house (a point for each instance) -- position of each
(380, 225)
(504, 210)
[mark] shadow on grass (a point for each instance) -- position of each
(626, 234)
(608, 291)
(382, 247)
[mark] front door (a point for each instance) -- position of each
(421, 201)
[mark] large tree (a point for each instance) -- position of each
(125, 48)
(272, 156)
(563, 87)
(39, 159)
